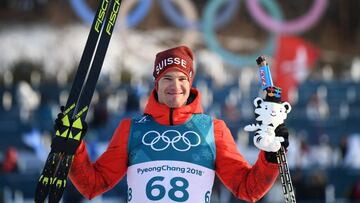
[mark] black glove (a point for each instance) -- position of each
(280, 131)
(65, 140)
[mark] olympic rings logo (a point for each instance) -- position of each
(180, 142)
(216, 14)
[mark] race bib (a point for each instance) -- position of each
(169, 181)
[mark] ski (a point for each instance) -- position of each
(53, 178)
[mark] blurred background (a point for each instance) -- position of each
(312, 48)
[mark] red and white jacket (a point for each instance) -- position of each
(246, 182)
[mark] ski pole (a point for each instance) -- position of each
(287, 186)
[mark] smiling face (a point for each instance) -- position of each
(173, 89)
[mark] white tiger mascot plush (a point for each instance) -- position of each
(270, 115)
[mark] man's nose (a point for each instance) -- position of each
(175, 83)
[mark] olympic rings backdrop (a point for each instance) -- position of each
(179, 20)
(216, 14)
(294, 26)
(87, 15)
(236, 59)
(189, 35)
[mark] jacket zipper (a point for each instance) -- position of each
(171, 116)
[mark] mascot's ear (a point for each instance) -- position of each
(258, 101)
(287, 106)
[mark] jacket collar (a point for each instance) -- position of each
(175, 116)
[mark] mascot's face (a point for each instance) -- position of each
(271, 113)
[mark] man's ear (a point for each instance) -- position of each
(156, 85)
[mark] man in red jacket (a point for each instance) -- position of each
(173, 151)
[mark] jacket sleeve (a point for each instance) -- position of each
(92, 179)
(246, 182)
